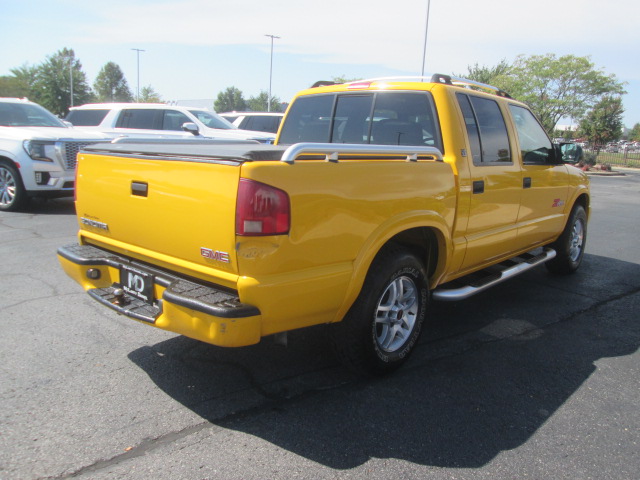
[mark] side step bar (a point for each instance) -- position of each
(491, 276)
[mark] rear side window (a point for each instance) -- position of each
(87, 118)
(144, 118)
(487, 132)
(381, 118)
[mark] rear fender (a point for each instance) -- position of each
(385, 234)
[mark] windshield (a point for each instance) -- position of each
(27, 115)
(212, 120)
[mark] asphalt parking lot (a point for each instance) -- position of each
(538, 378)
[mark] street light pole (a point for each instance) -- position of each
(426, 30)
(270, 72)
(138, 50)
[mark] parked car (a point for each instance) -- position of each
(158, 119)
(611, 147)
(261, 121)
(37, 153)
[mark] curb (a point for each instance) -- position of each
(606, 174)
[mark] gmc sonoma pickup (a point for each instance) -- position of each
(378, 197)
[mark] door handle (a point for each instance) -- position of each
(139, 189)
(526, 182)
(478, 186)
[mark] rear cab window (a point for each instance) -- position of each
(381, 118)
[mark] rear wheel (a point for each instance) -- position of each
(570, 246)
(382, 327)
(12, 192)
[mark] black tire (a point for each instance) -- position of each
(383, 325)
(12, 192)
(570, 246)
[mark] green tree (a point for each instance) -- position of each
(19, 83)
(149, 95)
(604, 122)
(484, 74)
(111, 86)
(53, 81)
(11, 87)
(229, 100)
(634, 134)
(557, 87)
(344, 79)
(260, 104)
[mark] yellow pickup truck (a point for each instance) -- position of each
(377, 198)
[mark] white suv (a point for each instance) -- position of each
(261, 121)
(158, 120)
(37, 153)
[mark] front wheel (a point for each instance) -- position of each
(382, 327)
(12, 192)
(570, 246)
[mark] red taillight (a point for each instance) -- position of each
(261, 209)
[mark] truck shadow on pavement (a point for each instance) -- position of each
(486, 376)
(49, 206)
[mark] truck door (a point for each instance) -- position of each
(544, 182)
(496, 181)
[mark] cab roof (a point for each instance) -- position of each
(404, 83)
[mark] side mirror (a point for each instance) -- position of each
(570, 153)
(191, 128)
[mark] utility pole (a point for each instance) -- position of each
(270, 72)
(426, 30)
(138, 50)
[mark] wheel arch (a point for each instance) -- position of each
(428, 241)
(583, 200)
(9, 161)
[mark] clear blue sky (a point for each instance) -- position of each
(196, 48)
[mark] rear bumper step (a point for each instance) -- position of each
(489, 277)
(179, 291)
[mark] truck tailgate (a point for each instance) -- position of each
(175, 212)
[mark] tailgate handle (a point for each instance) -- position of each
(141, 189)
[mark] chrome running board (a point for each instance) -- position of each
(487, 278)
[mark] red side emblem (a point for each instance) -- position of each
(557, 203)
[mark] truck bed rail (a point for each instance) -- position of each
(334, 150)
